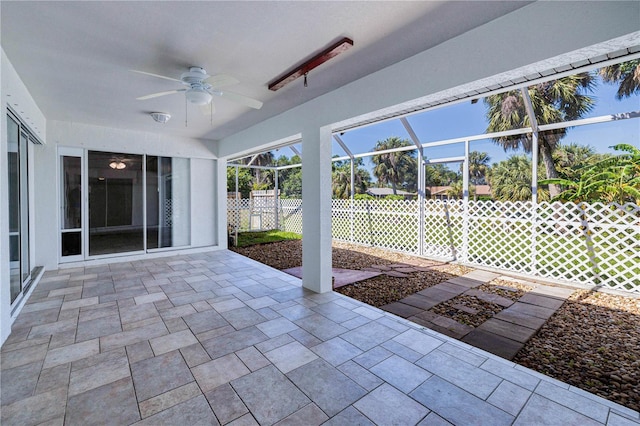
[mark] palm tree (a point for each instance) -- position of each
(571, 159)
(263, 178)
(510, 180)
(478, 166)
(553, 101)
(341, 178)
(391, 167)
(626, 74)
(456, 191)
(439, 175)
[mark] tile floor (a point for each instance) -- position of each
(215, 338)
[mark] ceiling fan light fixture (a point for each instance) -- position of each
(161, 117)
(117, 165)
(198, 96)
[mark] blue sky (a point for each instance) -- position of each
(467, 119)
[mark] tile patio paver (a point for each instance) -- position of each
(388, 406)
(269, 395)
(271, 353)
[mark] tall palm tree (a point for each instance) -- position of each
(571, 159)
(510, 180)
(626, 74)
(341, 178)
(553, 101)
(478, 166)
(391, 167)
(263, 178)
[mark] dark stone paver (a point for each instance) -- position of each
(490, 342)
(419, 301)
(515, 316)
(509, 330)
(534, 298)
(503, 334)
(401, 309)
(396, 274)
(341, 277)
(490, 297)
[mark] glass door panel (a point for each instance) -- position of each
(71, 206)
(115, 183)
(168, 202)
(13, 132)
(18, 183)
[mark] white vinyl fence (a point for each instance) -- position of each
(588, 244)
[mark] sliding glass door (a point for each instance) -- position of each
(115, 183)
(18, 182)
(122, 203)
(168, 207)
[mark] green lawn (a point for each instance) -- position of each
(251, 238)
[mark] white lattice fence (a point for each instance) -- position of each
(443, 229)
(291, 215)
(589, 243)
(247, 215)
(501, 235)
(586, 244)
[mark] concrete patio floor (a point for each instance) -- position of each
(216, 338)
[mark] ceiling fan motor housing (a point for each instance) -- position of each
(197, 93)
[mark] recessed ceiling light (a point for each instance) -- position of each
(161, 117)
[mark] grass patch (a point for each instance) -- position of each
(246, 239)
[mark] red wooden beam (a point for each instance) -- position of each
(312, 63)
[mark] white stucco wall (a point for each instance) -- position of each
(77, 135)
(533, 38)
(13, 93)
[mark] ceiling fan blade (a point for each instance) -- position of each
(236, 97)
(221, 80)
(208, 109)
(156, 75)
(156, 95)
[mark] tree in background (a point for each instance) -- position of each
(290, 180)
(245, 181)
(626, 75)
(553, 101)
(510, 180)
(391, 168)
(341, 178)
(572, 158)
(456, 191)
(263, 178)
(615, 179)
(478, 167)
(440, 175)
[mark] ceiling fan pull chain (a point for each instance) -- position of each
(305, 78)
(186, 113)
(211, 111)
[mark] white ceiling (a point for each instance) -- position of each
(75, 57)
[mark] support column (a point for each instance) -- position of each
(221, 204)
(316, 209)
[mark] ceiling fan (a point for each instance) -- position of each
(201, 87)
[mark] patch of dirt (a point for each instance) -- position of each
(591, 342)
(467, 310)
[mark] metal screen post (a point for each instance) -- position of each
(465, 203)
(276, 200)
(534, 177)
(422, 184)
(237, 209)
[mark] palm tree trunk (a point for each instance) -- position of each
(550, 167)
(393, 186)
